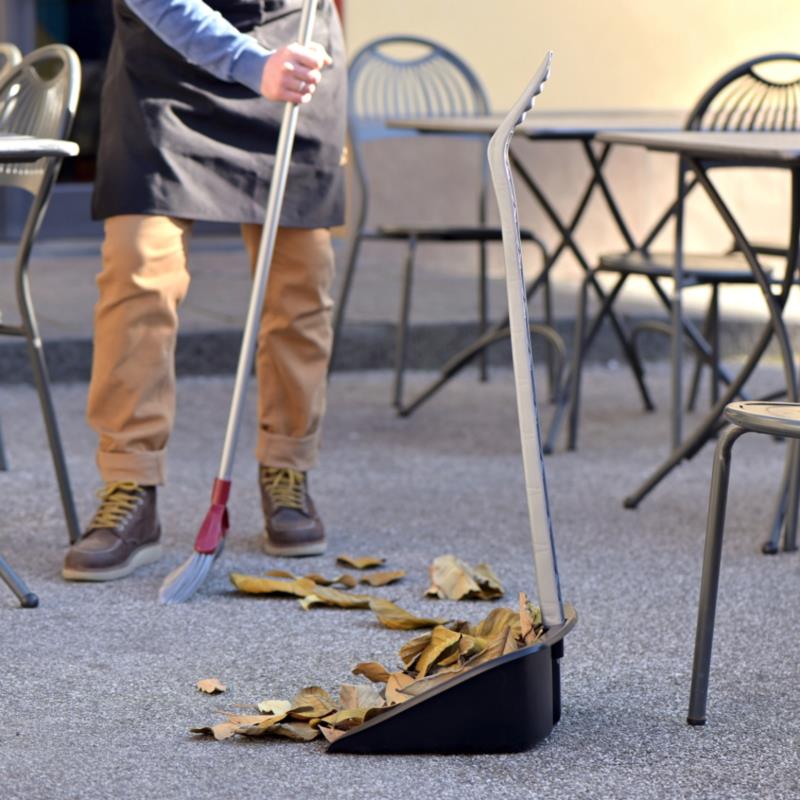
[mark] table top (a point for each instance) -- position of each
(582, 124)
(14, 147)
(779, 148)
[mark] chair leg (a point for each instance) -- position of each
(553, 366)
(715, 525)
(344, 294)
(3, 460)
(27, 599)
(42, 382)
(709, 326)
(793, 497)
(401, 347)
(483, 311)
(577, 367)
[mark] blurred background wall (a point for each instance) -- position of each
(615, 54)
(611, 54)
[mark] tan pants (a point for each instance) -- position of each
(132, 392)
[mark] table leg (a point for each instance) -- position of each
(27, 599)
(775, 327)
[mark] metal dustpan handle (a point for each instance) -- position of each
(544, 552)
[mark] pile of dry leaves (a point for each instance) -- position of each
(439, 655)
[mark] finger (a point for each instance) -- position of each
(307, 57)
(322, 52)
(304, 74)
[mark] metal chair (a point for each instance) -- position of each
(748, 98)
(39, 98)
(10, 56)
(773, 419)
(410, 77)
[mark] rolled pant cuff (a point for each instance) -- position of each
(147, 469)
(274, 450)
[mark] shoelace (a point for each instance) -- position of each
(285, 486)
(118, 500)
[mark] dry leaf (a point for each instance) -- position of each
(496, 621)
(328, 596)
(331, 734)
(530, 616)
(491, 588)
(312, 703)
(411, 650)
(221, 731)
(211, 686)
(417, 687)
(274, 706)
(361, 562)
(372, 671)
(396, 618)
(281, 573)
(442, 640)
(452, 579)
(383, 578)
(394, 687)
(359, 695)
(345, 580)
(296, 731)
(254, 584)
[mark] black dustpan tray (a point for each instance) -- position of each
(506, 705)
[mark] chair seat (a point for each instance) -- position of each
(697, 268)
(774, 419)
(477, 233)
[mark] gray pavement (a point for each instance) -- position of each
(97, 684)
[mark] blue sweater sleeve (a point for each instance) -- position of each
(205, 38)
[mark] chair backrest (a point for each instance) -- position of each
(408, 76)
(762, 94)
(404, 77)
(10, 56)
(39, 97)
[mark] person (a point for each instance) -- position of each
(190, 115)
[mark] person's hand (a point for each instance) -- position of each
(292, 73)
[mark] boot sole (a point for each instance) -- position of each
(295, 550)
(143, 556)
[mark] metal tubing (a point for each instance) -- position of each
(556, 347)
(483, 279)
(577, 366)
(266, 248)
(547, 580)
(27, 599)
(569, 241)
(464, 357)
(709, 585)
(677, 317)
(401, 345)
(30, 330)
(695, 441)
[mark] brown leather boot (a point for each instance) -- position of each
(122, 536)
(292, 525)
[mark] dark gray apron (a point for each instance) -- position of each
(175, 140)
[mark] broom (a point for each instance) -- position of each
(183, 582)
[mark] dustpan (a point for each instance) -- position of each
(512, 702)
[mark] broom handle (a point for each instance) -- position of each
(266, 248)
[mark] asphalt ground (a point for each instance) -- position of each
(97, 684)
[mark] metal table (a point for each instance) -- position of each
(18, 149)
(562, 126)
(702, 151)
